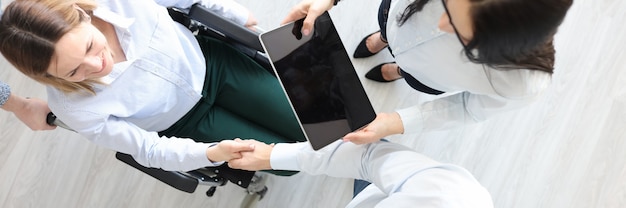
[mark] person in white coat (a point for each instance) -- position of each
(400, 176)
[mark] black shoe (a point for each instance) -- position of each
(376, 73)
(362, 51)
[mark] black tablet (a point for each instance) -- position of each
(319, 79)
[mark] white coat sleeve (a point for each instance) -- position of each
(406, 177)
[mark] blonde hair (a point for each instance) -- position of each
(29, 30)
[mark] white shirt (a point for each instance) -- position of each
(435, 58)
(159, 83)
(400, 176)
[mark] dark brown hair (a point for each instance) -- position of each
(510, 34)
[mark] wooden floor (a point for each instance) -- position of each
(566, 150)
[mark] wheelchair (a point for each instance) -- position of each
(202, 21)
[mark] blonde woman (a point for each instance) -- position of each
(127, 77)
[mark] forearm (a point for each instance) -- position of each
(176, 154)
(339, 159)
(147, 147)
(14, 103)
(442, 113)
(384, 163)
(404, 175)
(150, 150)
(31, 112)
(458, 110)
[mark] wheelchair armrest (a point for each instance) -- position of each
(229, 28)
(177, 180)
(210, 23)
(189, 181)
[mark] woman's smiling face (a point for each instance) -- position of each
(81, 54)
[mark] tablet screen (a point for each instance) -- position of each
(319, 79)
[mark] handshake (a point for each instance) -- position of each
(242, 154)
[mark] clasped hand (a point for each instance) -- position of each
(242, 154)
(254, 155)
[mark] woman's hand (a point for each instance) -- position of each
(30, 111)
(384, 125)
(251, 22)
(309, 8)
(259, 159)
(227, 150)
